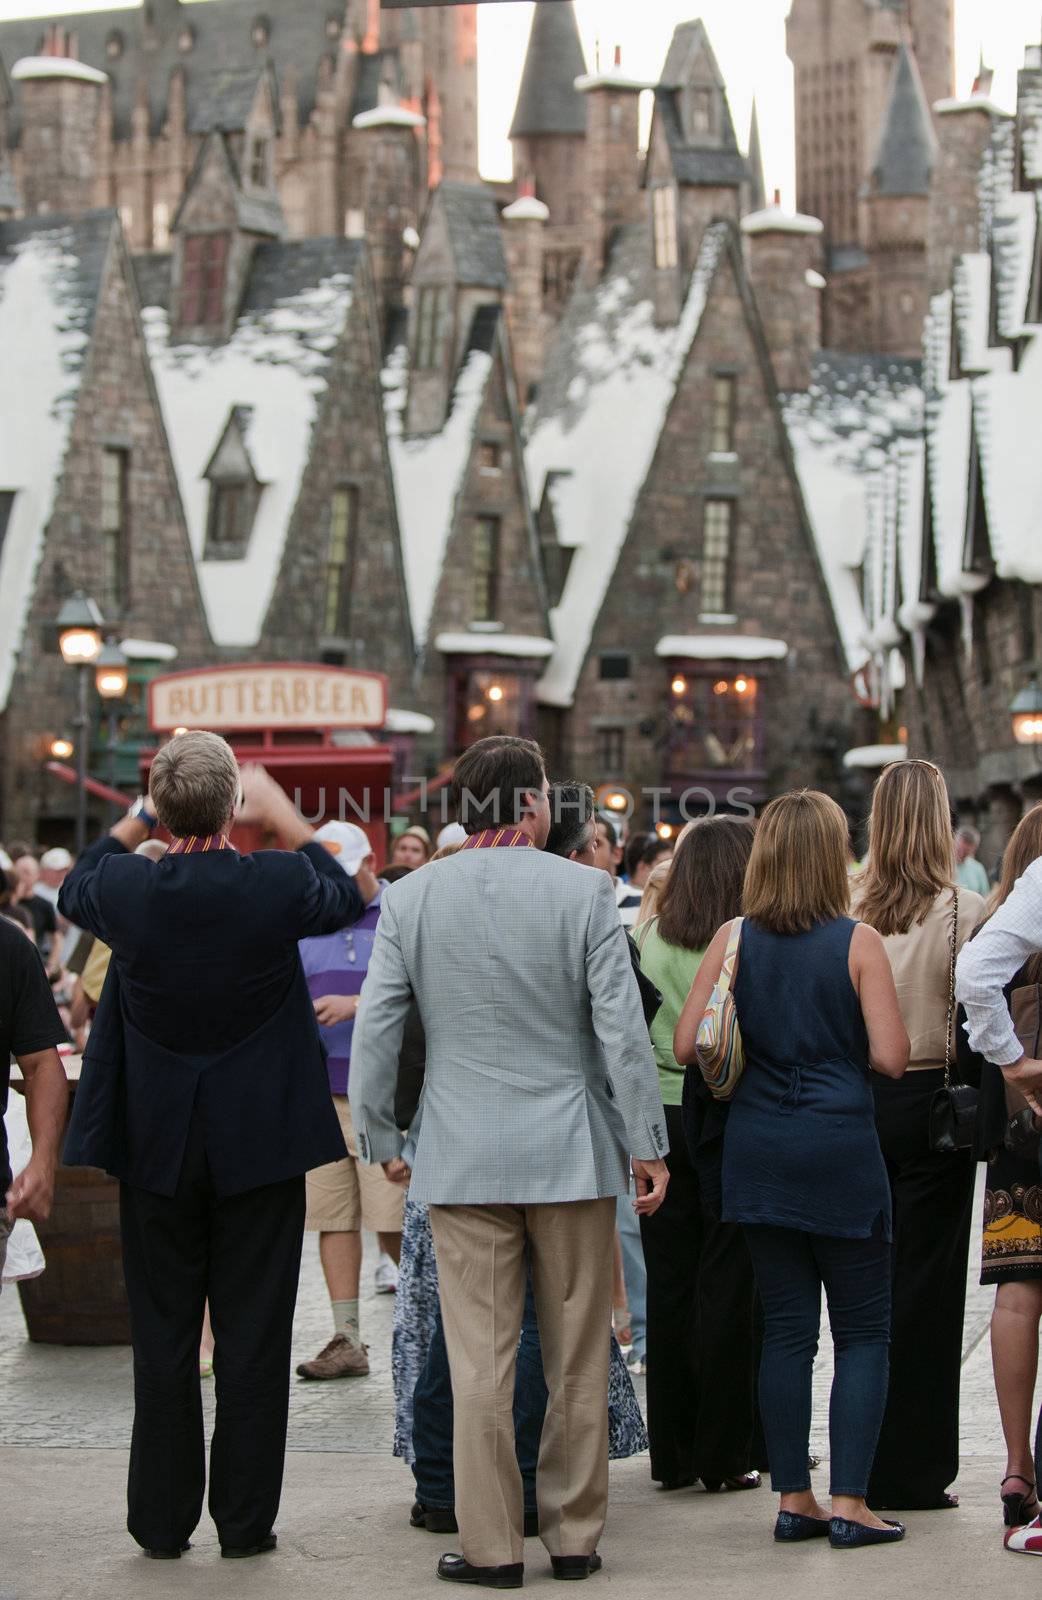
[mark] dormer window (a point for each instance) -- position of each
(234, 492)
(260, 33)
(433, 323)
(204, 279)
(699, 111)
(260, 171)
(114, 45)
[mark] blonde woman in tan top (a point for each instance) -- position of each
(908, 893)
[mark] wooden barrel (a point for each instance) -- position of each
(81, 1297)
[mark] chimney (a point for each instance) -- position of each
(386, 157)
(612, 188)
(784, 255)
(524, 223)
(61, 103)
(964, 134)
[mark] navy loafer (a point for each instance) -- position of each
(846, 1535)
(792, 1527)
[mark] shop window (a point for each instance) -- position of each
(203, 279)
(716, 722)
(433, 321)
(485, 570)
(611, 752)
(340, 562)
(716, 557)
(722, 435)
(115, 531)
(489, 702)
(615, 665)
(664, 217)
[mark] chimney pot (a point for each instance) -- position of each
(777, 199)
(618, 55)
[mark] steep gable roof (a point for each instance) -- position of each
(548, 101)
(594, 431)
(51, 275)
(474, 234)
(255, 212)
(276, 363)
(907, 150)
(711, 159)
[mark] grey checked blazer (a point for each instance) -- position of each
(540, 1076)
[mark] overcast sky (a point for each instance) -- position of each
(748, 37)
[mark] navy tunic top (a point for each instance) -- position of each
(801, 1149)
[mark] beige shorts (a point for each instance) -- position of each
(346, 1195)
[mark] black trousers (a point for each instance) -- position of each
(918, 1453)
(243, 1254)
(703, 1342)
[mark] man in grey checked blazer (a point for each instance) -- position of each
(540, 1087)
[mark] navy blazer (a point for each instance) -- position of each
(205, 1007)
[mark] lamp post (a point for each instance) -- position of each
(1026, 713)
(79, 640)
(110, 680)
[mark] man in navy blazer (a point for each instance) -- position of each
(204, 1090)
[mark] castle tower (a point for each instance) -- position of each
(450, 41)
(548, 132)
(896, 214)
(843, 54)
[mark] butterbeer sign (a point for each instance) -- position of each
(282, 695)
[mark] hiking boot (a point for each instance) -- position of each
(342, 1358)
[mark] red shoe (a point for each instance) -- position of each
(1026, 1541)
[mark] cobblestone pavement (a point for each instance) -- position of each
(81, 1398)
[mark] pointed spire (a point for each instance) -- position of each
(548, 101)
(757, 186)
(907, 149)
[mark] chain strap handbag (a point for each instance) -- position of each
(953, 1109)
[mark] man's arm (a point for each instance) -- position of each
(985, 967)
(618, 1019)
(376, 1045)
(80, 897)
(47, 1107)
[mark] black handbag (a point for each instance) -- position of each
(953, 1109)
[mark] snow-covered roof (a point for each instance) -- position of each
(49, 278)
(971, 286)
(493, 644)
(603, 402)
(428, 475)
(1029, 114)
(389, 117)
(527, 209)
(615, 78)
(37, 67)
(1007, 405)
(974, 102)
(774, 220)
(274, 367)
(1013, 243)
(148, 650)
(857, 443)
(722, 647)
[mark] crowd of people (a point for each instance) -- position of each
(492, 1062)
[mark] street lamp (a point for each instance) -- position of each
(110, 680)
(79, 639)
(1026, 712)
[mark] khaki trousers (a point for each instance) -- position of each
(483, 1254)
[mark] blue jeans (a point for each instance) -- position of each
(634, 1272)
(790, 1268)
(432, 1415)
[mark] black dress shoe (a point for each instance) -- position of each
(456, 1569)
(232, 1552)
(572, 1567)
(165, 1552)
(435, 1519)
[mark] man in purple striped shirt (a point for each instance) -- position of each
(346, 1195)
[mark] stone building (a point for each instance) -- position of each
(88, 494)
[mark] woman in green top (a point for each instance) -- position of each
(702, 1413)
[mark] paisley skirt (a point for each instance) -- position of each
(415, 1310)
(1011, 1249)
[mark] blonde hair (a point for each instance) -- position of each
(194, 784)
(911, 854)
(445, 851)
(656, 882)
(797, 872)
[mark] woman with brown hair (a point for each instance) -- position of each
(700, 1297)
(908, 893)
(1011, 1248)
(802, 1168)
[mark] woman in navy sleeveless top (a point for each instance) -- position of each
(803, 1172)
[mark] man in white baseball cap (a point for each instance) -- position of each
(55, 866)
(346, 1195)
